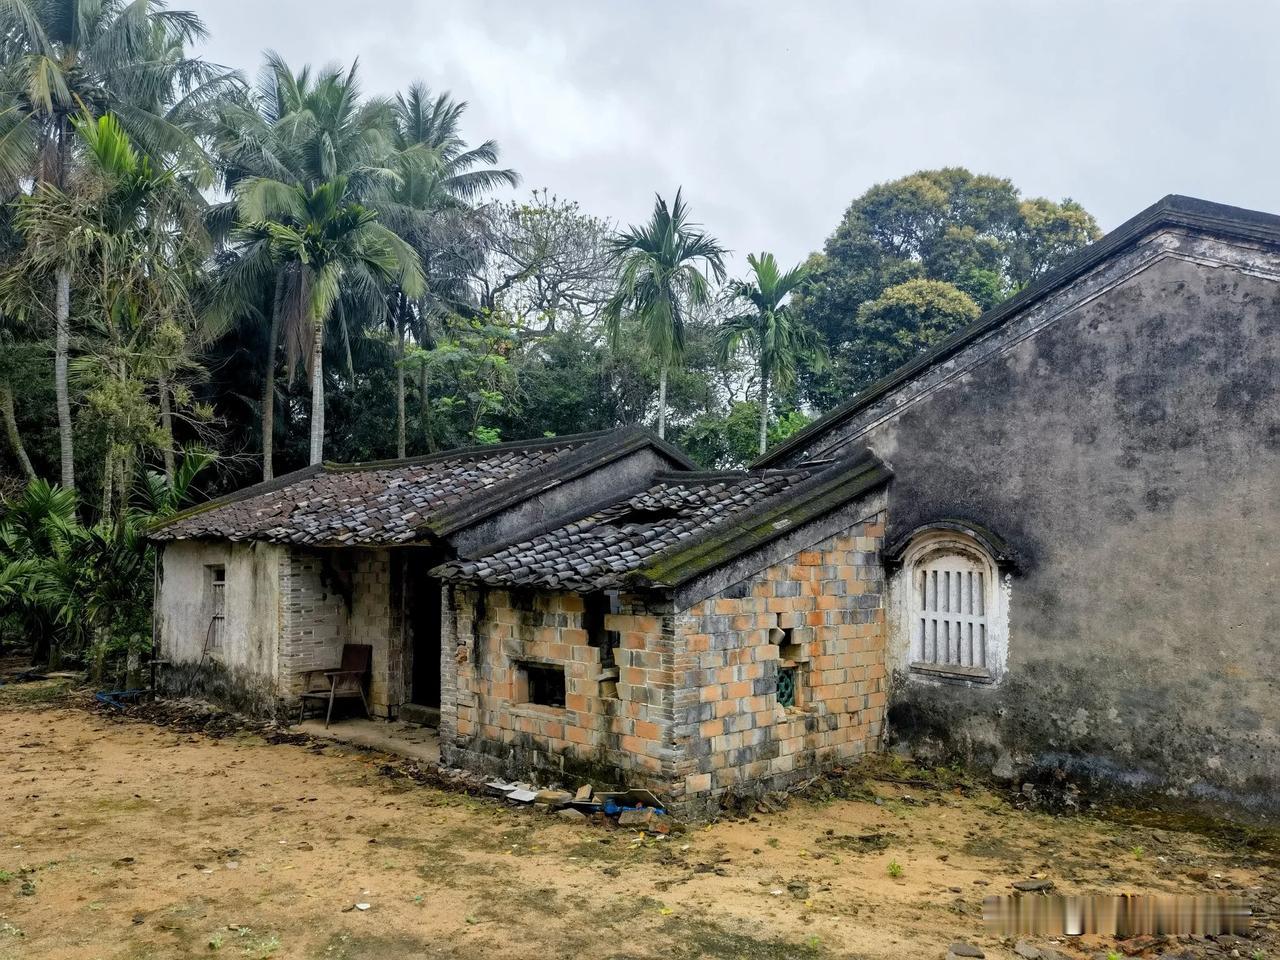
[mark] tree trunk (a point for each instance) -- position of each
(764, 410)
(424, 376)
(166, 427)
(62, 322)
(11, 428)
(269, 383)
(108, 474)
(400, 415)
(317, 395)
(662, 402)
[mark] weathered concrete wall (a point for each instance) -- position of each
(819, 613)
(241, 670)
(288, 611)
(1124, 436)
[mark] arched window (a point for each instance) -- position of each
(949, 609)
(950, 606)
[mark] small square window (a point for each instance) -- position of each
(541, 684)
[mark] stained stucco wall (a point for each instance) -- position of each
(242, 669)
(1124, 436)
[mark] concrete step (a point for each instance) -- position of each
(417, 713)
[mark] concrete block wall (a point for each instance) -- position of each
(601, 734)
(377, 619)
(823, 610)
(333, 597)
(315, 591)
(696, 714)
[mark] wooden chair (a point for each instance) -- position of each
(344, 683)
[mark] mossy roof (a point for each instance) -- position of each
(682, 526)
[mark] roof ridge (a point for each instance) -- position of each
(1171, 210)
(458, 453)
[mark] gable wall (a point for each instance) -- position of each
(1124, 436)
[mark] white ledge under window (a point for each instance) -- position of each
(953, 671)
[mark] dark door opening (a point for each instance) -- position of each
(422, 600)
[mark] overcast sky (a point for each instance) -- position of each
(773, 116)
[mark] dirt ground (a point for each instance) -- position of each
(122, 839)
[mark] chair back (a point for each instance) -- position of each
(356, 658)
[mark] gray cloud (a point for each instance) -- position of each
(774, 116)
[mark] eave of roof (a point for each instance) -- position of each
(1172, 211)
(841, 483)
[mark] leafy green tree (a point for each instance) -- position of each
(429, 204)
(303, 130)
(60, 59)
(128, 237)
(662, 269)
(731, 439)
(968, 230)
(771, 331)
(907, 320)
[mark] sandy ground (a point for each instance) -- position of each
(121, 839)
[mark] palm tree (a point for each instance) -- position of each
(328, 247)
(438, 177)
(63, 58)
(300, 129)
(770, 329)
(659, 280)
(129, 236)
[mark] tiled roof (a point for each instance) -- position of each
(381, 503)
(600, 550)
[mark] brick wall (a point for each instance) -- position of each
(693, 712)
(819, 613)
(615, 723)
(315, 623)
(333, 597)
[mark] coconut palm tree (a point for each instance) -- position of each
(770, 329)
(438, 178)
(662, 273)
(63, 58)
(330, 248)
(301, 129)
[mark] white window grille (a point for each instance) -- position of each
(950, 616)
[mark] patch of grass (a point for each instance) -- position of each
(1138, 851)
(859, 843)
(6, 876)
(34, 693)
(894, 869)
(693, 937)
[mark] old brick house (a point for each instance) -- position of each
(1047, 545)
